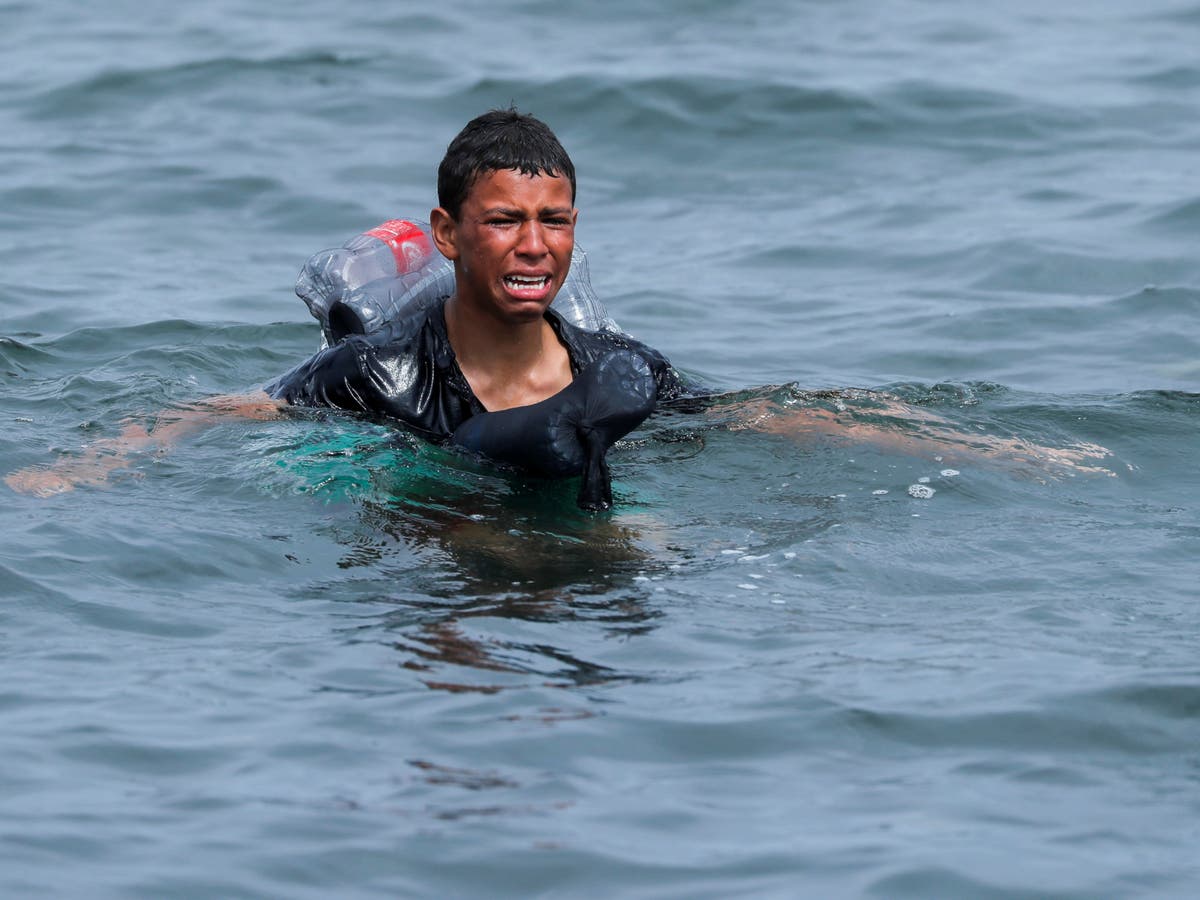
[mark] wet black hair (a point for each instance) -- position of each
(499, 139)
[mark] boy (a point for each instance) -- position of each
(494, 353)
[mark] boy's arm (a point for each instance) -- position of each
(112, 454)
(892, 425)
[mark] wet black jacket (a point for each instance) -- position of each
(407, 371)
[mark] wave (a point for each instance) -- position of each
(105, 92)
(1180, 214)
(924, 112)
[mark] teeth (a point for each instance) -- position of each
(527, 280)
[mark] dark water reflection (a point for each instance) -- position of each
(533, 559)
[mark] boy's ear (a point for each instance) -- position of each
(443, 226)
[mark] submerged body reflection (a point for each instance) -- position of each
(524, 557)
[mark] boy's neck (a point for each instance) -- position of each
(506, 363)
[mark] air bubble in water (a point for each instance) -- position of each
(921, 491)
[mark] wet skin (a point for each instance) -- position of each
(511, 247)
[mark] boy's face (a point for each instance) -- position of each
(511, 244)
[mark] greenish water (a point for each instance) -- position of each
(313, 657)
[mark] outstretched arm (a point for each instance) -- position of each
(885, 421)
(102, 457)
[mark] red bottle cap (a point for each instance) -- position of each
(410, 246)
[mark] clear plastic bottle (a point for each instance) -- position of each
(375, 276)
(577, 301)
(355, 288)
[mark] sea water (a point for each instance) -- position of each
(314, 657)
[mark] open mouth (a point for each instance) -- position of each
(526, 283)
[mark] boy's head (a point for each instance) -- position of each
(499, 139)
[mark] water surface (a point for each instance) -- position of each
(309, 657)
